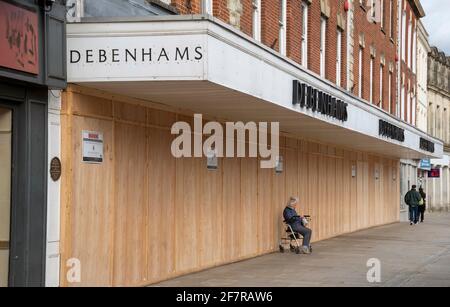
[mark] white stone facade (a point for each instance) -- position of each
(439, 127)
(423, 48)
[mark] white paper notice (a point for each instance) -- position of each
(211, 160)
(92, 147)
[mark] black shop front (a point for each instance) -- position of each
(32, 63)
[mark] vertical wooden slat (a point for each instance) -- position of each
(130, 206)
(233, 225)
(249, 206)
(91, 205)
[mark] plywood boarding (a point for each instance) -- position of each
(130, 205)
(143, 216)
(165, 215)
(90, 224)
(249, 207)
(234, 233)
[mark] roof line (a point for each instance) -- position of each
(417, 6)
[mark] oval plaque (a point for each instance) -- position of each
(55, 169)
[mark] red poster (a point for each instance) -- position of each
(434, 173)
(18, 38)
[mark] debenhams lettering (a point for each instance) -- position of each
(143, 55)
(318, 101)
(391, 131)
(426, 145)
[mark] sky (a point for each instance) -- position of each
(437, 23)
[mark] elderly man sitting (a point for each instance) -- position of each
(292, 218)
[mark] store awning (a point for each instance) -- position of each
(200, 64)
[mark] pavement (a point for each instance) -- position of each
(406, 255)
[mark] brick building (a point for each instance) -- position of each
(365, 63)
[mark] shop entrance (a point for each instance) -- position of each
(5, 192)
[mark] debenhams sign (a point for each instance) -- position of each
(318, 101)
(134, 58)
(135, 55)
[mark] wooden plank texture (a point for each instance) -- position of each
(143, 216)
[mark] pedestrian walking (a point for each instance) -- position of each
(412, 199)
(422, 204)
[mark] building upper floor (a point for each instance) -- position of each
(359, 45)
(439, 95)
(409, 17)
(439, 70)
(423, 48)
(201, 64)
(117, 8)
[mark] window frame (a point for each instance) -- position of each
(323, 46)
(339, 36)
(282, 21)
(304, 35)
(391, 19)
(360, 72)
(381, 86)
(256, 19)
(403, 36)
(371, 77)
(409, 44)
(390, 91)
(207, 7)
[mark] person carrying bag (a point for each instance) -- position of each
(422, 204)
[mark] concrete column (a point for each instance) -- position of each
(440, 188)
(433, 194)
(53, 191)
(428, 191)
(446, 183)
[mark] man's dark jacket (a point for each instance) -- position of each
(292, 218)
(412, 198)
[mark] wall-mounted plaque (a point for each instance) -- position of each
(55, 169)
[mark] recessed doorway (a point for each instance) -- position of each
(5, 192)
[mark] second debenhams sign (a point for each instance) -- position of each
(318, 101)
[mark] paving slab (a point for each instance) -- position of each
(408, 256)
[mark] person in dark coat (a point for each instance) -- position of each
(423, 206)
(292, 218)
(412, 199)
